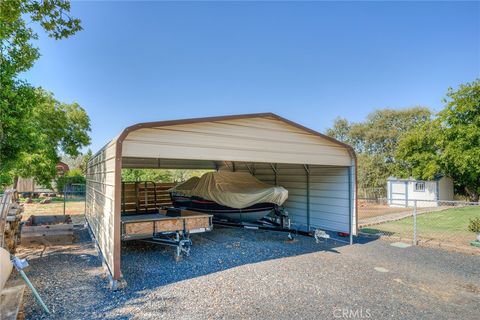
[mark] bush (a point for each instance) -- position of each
(474, 225)
(74, 176)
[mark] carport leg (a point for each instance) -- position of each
(274, 168)
(307, 171)
(350, 200)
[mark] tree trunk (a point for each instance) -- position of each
(472, 194)
(15, 182)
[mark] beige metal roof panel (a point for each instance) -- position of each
(251, 139)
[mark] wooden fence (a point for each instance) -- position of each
(144, 196)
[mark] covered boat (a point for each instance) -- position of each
(231, 195)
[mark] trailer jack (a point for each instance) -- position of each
(180, 240)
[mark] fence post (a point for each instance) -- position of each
(414, 222)
(64, 200)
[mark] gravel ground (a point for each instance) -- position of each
(248, 274)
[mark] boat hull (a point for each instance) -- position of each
(249, 214)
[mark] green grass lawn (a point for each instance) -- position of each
(447, 226)
(36, 200)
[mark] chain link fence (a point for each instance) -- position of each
(434, 223)
(69, 202)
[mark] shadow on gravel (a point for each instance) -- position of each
(145, 265)
(74, 285)
(71, 281)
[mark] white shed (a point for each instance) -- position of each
(403, 192)
(318, 171)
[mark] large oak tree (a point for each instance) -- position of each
(375, 141)
(449, 144)
(34, 127)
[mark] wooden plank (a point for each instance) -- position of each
(47, 228)
(143, 224)
(137, 228)
(189, 213)
(56, 239)
(197, 223)
(10, 302)
(169, 225)
(5, 266)
(46, 234)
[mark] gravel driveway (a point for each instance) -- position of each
(248, 274)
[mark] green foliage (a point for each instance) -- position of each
(474, 225)
(372, 175)
(78, 162)
(34, 127)
(449, 144)
(416, 152)
(146, 175)
(85, 159)
(17, 51)
(50, 127)
(375, 141)
(160, 175)
(74, 176)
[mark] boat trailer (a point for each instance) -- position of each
(269, 225)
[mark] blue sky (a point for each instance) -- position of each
(306, 61)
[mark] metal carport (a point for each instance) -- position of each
(318, 171)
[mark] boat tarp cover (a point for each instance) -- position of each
(232, 189)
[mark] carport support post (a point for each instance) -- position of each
(414, 222)
(350, 207)
(274, 168)
(307, 171)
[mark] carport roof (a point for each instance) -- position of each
(126, 134)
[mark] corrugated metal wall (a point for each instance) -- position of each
(331, 192)
(100, 198)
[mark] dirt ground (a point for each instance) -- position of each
(369, 210)
(76, 209)
(248, 274)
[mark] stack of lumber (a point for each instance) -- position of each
(10, 218)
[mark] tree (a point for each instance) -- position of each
(375, 141)
(54, 126)
(449, 144)
(75, 176)
(380, 133)
(78, 162)
(160, 175)
(26, 148)
(155, 175)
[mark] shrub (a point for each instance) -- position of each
(74, 176)
(474, 225)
